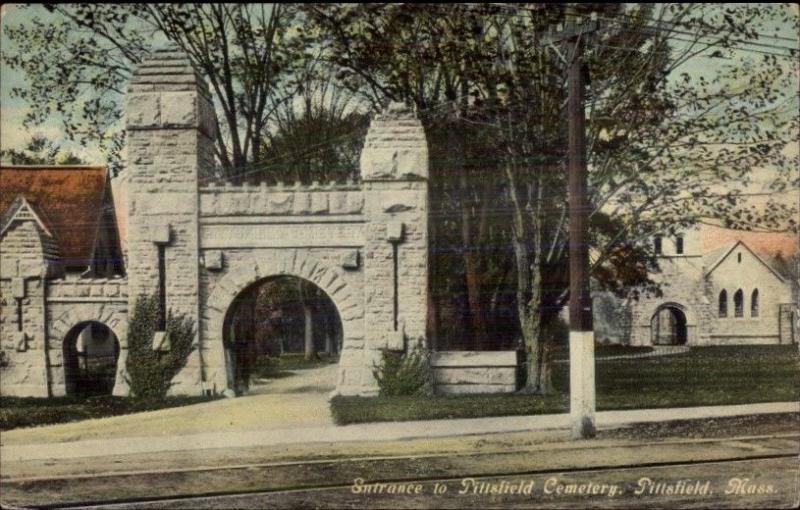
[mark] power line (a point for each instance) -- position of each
(792, 51)
(671, 27)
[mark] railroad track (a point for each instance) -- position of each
(334, 478)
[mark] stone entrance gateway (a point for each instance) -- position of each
(201, 243)
(668, 326)
(249, 329)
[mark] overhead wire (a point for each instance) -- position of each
(262, 165)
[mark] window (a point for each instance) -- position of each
(679, 245)
(723, 303)
(657, 244)
(739, 258)
(738, 304)
(754, 304)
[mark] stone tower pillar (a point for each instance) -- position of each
(170, 129)
(394, 171)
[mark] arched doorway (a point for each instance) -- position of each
(276, 322)
(91, 351)
(668, 326)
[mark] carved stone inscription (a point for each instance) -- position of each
(282, 235)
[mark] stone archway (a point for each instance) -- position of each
(668, 326)
(288, 263)
(112, 317)
(280, 318)
(90, 354)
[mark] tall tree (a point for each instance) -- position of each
(664, 153)
(85, 51)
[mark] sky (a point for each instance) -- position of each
(12, 110)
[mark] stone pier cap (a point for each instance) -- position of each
(395, 147)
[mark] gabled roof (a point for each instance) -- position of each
(711, 258)
(21, 209)
(68, 199)
(729, 250)
(763, 243)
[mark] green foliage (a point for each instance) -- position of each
(79, 57)
(556, 332)
(407, 373)
(347, 410)
(338, 133)
(40, 151)
(714, 375)
(150, 372)
(17, 412)
(668, 124)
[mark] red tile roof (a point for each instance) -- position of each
(765, 243)
(70, 201)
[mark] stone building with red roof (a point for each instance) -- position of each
(718, 286)
(60, 262)
(74, 213)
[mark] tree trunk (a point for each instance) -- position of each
(328, 336)
(472, 274)
(526, 240)
(308, 328)
(432, 317)
(310, 348)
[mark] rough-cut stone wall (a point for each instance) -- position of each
(465, 372)
(72, 302)
(23, 267)
(394, 168)
(694, 288)
(682, 286)
(170, 128)
(364, 244)
(788, 324)
(242, 268)
(742, 270)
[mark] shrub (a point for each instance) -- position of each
(150, 372)
(404, 373)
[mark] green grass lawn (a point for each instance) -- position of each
(18, 412)
(601, 351)
(283, 366)
(716, 375)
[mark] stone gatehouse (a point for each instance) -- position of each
(727, 295)
(201, 244)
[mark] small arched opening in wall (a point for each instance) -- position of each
(668, 326)
(91, 351)
(282, 334)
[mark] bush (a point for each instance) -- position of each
(150, 372)
(404, 373)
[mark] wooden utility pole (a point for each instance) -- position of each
(581, 333)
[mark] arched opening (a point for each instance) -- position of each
(668, 326)
(723, 303)
(754, 304)
(738, 303)
(91, 351)
(278, 327)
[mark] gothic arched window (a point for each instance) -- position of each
(679, 245)
(657, 244)
(754, 304)
(723, 303)
(738, 304)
